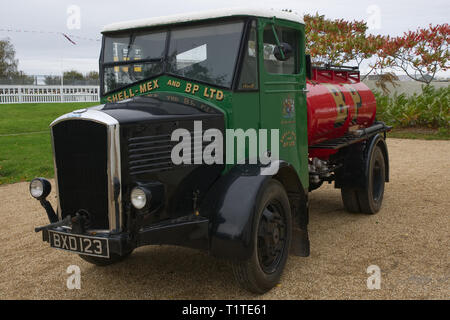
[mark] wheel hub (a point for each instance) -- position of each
(276, 235)
(271, 237)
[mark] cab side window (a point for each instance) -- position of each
(249, 72)
(290, 36)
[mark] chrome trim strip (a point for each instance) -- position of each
(58, 210)
(114, 175)
(114, 166)
(92, 114)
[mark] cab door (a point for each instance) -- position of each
(283, 90)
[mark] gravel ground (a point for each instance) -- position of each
(408, 240)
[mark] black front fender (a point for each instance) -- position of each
(231, 206)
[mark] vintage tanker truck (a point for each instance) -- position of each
(117, 185)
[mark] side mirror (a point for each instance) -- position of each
(284, 48)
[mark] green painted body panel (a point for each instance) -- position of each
(258, 109)
(278, 91)
(211, 96)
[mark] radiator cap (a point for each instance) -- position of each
(80, 111)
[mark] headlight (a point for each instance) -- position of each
(40, 188)
(140, 198)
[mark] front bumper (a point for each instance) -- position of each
(119, 244)
(188, 231)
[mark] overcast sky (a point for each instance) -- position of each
(42, 50)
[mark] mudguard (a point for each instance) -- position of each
(230, 205)
(377, 140)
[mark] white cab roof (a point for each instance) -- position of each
(203, 15)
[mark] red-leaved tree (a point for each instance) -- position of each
(421, 54)
(340, 42)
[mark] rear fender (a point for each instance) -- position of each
(376, 141)
(383, 145)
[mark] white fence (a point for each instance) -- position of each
(48, 94)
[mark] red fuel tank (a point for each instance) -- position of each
(337, 103)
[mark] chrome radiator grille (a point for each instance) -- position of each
(81, 158)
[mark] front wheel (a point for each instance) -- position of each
(272, 233)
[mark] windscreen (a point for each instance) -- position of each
(131, 58)
(206, 53)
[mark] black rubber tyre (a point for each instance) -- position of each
(371, 198)
(103, 262)
(368, 200)
(272, 233)
(350, 199)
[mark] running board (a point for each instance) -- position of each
(353, 137)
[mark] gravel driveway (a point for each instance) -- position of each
(409, 240)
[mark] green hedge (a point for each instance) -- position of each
(430, 109)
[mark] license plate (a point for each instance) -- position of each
(90, 246)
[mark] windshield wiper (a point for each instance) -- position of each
(143, 61)
(130, 43)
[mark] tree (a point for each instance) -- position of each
(9, 73)
(420, 54)
(21, 78)
(363, 49)
(73, 75)
(92, 78)
(8, 62)
(93, 75)
(339, 42)
(52, 80)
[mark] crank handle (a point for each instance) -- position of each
(65, 222)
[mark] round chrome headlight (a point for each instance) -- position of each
(40, 188)
(140, 198)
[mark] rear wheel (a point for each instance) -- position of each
(368, 199)
(272, 232)
(103, 262)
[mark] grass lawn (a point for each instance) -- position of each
(21, 118)
(25, 147)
